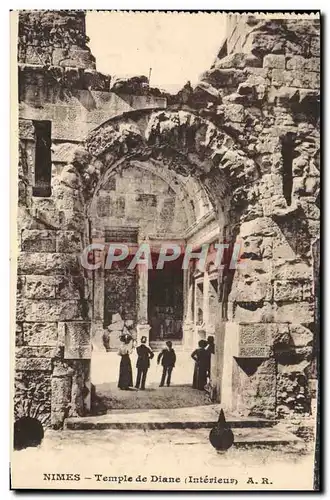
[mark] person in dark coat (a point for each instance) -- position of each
(125, 369)
(168, 358)
(145, 354)
(210, 349)
(201, 358)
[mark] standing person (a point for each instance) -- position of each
(200, 356)
(145, 354)
(125, 369)
(168, 358)
(210, 349)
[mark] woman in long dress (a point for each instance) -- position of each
(200, 356)
(125, 369)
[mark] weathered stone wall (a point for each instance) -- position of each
(265, 92)
(138, 197)
(249, 134)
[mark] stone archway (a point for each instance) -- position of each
(190, 147)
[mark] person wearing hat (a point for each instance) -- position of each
(201, 358)
(125, 369)
(144, 354)
(168, 358)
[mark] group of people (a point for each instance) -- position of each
(167, 357)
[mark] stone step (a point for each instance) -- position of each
(178, 418)
(264, 437)
(159, 345)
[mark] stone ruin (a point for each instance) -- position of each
(239, 152)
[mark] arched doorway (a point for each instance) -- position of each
(193, 150)
(143, 202)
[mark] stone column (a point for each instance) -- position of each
(206, 286)
(142, 326)
(98, 306)
(188, 325)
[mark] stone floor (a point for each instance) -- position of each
(154, 397)
(176, 453)
(105, 369)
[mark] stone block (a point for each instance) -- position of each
(298, 79)
(49, 217)
(219, 78)
(35, 240)
(311, 185)
(69, 241)
(300, 335)
(255, 333)
(307, 291)
(61, 391)
(282, 251)
(234, 113)
(39, 287)
(33, 364)
(310, 208)
(78, 340)
(300, 165)
(300, 63)
(286, 96)
(26, 129)
(47, 264)
(82, 58)
(78, 332)
(35, 352)
(251, 290)
(281, 335)
(19, 336)
(53, 310)
(288, 291)
(290, 269)
(78, 352)
(238, 60)
(71, 220)
(266, 385)
(262, 44)
(254, 351)
(267, 367)
(276, 61)
(263, 226)
(70, 287)
(315, 46)
(253, 312)
(32, 55)
(93, 80)
(59, 54)
(292, 312)
(251, 247)
(40, 333)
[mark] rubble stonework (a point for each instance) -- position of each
(248, 137)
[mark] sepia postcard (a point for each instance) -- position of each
(165, 250)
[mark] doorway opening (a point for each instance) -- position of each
(165, 302)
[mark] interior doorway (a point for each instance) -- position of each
(165, 302)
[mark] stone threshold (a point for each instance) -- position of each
(178, 418)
